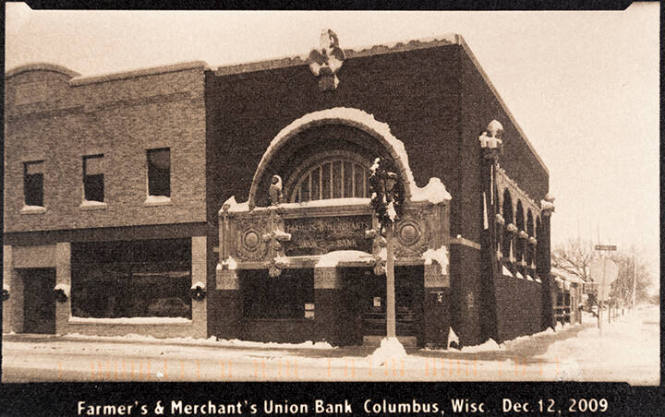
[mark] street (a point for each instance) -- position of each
(627, 350)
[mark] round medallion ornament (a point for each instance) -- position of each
(250, 240)
(408, 233)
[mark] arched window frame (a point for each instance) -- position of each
(507, 212)
(304, 171)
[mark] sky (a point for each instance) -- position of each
(583, 85)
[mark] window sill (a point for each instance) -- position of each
(33, 210)
(131, 320)
(93, 205)
(157, 200)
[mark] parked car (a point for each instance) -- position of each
(168, 307)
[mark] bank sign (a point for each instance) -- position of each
(320, 235)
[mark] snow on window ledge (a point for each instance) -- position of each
(157, 200)
(130, 320)
(33, 210)
(92, 205)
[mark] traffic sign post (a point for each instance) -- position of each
(607, 271)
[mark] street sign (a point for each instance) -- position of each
(605, 247)
(603, 271)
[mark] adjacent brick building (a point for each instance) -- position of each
(472, 243)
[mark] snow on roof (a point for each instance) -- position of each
(439, 255)
(434, 192)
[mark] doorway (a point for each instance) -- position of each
(38, 300)
(369, 294)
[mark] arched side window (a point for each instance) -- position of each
(507, 212)
(530, 251)
(330, 175)
(519, 222)
(539, 246)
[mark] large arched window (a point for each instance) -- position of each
(332, 175)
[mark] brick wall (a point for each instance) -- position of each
(519, 307)
(52, 117)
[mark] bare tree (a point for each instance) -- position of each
(574, 257)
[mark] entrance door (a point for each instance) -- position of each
(39, 301)
(408, 303)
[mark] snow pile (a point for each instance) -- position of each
(506, 271)
(489, 346)
(5, 287)
(211, 341)
(198, 284)
(452, 337)
(390, 349)
(229, 263)
(627, 349)
(519, 275)
(434, 192)
(65, 288)
(249, 344)
(332, 259)
(439, 255)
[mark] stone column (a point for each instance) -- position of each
(329, 306)
(199, 275)
(228, 302)
(549, 294)
(9, 279)
(492, 146)
(63, 276)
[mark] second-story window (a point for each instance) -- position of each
(33, 183)
(93, 178)
(159, 172)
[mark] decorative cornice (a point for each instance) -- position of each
(41, 66)
(292, 61)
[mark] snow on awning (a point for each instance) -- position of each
(567, 276)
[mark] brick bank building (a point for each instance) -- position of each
(234, 202)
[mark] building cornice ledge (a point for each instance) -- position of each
(41, 66)
(381, 49)
(78, 81)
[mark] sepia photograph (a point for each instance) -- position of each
(348, 196)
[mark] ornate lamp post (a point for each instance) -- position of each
(386, 201)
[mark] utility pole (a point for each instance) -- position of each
(634, 294)
(387, 199)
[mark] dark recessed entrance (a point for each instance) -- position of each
(368, 291)
(38, 300)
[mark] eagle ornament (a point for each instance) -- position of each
(326, 61)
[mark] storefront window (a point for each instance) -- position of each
(144, 278)
(282, 297)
